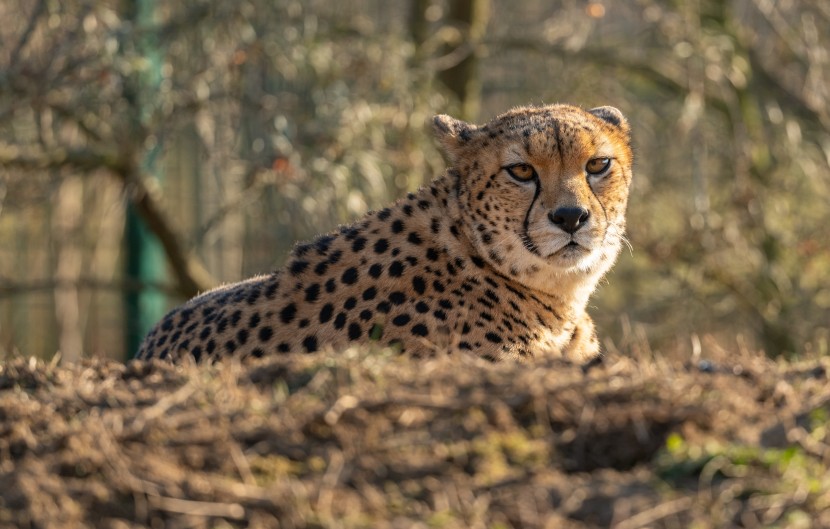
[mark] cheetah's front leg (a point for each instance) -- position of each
(584, 345)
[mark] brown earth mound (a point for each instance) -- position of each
(371, 440)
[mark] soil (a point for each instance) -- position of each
(367, 439)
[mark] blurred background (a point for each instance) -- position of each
(150, 150)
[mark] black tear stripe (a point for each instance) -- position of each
(525, 237)
(604, 212)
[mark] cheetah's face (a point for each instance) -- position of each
(542, 191)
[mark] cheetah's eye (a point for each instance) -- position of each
(521, 171)
(597, 166)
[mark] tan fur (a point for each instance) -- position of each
(472, 262)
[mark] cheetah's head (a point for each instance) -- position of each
(542, 191)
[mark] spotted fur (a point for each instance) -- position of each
(477, 261)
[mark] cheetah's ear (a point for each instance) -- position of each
(611, 115)
(453, 134)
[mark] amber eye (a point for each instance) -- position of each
(597, 166)
(521, 171)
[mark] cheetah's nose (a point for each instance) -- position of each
(569, 219)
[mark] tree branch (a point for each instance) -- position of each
(191, 276)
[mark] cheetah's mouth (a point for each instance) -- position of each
(569, 251)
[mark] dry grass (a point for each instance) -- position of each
(372, 440)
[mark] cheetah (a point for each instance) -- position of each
(497, 256)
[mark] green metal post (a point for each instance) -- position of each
(144, 255)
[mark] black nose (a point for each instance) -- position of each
(569, 219)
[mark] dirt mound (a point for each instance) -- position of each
(372, 440)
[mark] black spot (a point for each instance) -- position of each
(297, 267)
(350, 232)
(265, 334)
(350, 276)
(432, 254)
(323, 244)
(257, 352)
(359, 244)
(414, 238)
(205, 333)
(254, 320)
(288, 313)
(485, 302)
(366, 315)
(321, 268)
(492, 295)
(331, 285)
(438, 286)
(310, 343)
(435, 225)
(242, 336)
(211, 346)
(480, 195)
(253, 296)
(376, 270)
(340, 321)
(350, 303)
(381, 245)
(407, 210)
(493, 337)
(283, 347)
(397, 226)
(516, 292)
(401, 320)
(465, 345)
(384, 307)
(167, 324)
(235, 317)
(445, 303)
(326, 312)
(465, 329)
(312, 292)
(419, 285)
(197, 353)
(424, 204)
(384, 214)
(301, 249)
(370, 293)
(304, 323)
(478, 261)
(230, 346)
(354, 331)
(396, 269)
(419, 329)
(397, 297)
(440, 314)
(335, 256)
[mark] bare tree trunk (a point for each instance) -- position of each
(471, 17)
